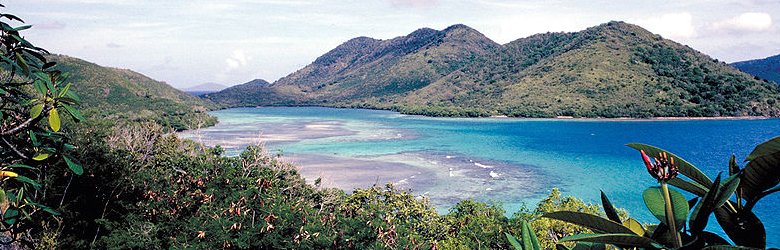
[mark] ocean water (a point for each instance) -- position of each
(511, 161)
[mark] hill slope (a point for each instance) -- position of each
(611, 70)
(120, 93)
(767, 68)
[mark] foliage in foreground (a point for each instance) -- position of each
(758, 179)
(35, 101)
(157, 191)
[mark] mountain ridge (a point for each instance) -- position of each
(766, 68)
(614, 69)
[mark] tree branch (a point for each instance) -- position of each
(26, 123)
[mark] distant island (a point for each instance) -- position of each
(611, 70)
(767, 68)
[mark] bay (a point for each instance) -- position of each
(514, 162)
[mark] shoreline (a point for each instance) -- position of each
(557, 118)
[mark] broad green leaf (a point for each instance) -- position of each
(76, 168)
(2, 91)
(513, 241)
(684, 167)
(40, 87)
(727, 189)
(609, 209)
(654, 200)
(593, 222)
(616, 239)
(36, 110)
(73, 112)
(530, 241)
(40, 156)
(742, 227)
(54, 120)
(691, 187)
(2, 196)
(769, 147)
(701, 212)
(635, 226)
(762, 171)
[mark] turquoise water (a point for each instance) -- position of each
(580, 157)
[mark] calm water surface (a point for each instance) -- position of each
(580, 157)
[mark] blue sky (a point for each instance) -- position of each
(189, 42)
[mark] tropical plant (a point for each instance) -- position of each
(32, 95)
(758, 179)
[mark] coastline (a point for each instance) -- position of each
(557, 118)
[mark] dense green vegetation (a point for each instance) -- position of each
(141, 187)
(124, 95)
(767, 68)
(611, 70)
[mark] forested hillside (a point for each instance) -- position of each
(611, 70)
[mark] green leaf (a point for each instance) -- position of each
(73, 96)
(593, 222)
(733, 167)
(742, 227)
(10, 215)
(727, 189)
(635, 226)
(654, 200)
(530, 241)
(54, 120)
(23, 27)
(609, 209)
(691, 187)
(22, 64)
(589, 246)
(684, 167)
(2, 196)
(762, 172)
(40, 156)
(701, 213)
(64, 90)
(36, 110)
(766, 148)
(19, 166)
(76, 168)
(73, 112)
(616, 239)
(24, 179)
(513, 241)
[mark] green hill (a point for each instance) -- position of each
(121, 94)
(611, 70)
(767, 68)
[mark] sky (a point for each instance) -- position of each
(190, 42)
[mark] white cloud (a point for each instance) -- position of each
(671, 25)
(237, 59)
(746, 22)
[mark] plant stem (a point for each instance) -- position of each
(670, 216)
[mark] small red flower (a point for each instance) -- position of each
(662, 168)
